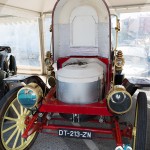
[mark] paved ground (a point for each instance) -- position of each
(50, 142)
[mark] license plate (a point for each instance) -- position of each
(75, 133)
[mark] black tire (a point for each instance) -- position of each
(3, 63)
(2, 76)
(5, 66)
(141, 129)
(9, 118)
(12, 65)
(2, 87)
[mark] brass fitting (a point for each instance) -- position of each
(48, 54)
(50, 69)
(119, 54)
(119, 62)
(118, 25)
(48, 60)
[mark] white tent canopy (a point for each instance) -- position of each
(35, 7)
(17, 11)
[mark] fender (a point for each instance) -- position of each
(132, 84)
(17, 80)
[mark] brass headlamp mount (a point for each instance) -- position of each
(118, 61)
(50, 69)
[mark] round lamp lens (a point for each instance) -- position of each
(27, 98)
(118, 97)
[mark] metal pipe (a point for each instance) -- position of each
(118, 135)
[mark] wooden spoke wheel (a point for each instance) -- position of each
(12, 117)
(140, 125)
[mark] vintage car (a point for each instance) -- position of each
(88, 85)
(7, 67)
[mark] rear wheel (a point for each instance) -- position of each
(12, 117)
(140, 126)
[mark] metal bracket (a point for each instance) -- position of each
(75, 118)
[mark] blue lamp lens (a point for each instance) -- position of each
(27, 98)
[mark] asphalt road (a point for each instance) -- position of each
(51, 142)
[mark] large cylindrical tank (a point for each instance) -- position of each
(79, 83)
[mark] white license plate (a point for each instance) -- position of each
(75, 133)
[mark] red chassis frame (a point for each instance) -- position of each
(52, 105)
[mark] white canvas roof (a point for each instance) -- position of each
(34, 7)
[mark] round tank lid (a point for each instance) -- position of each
(89, 72)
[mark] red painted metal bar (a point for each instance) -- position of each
(92, 120)
(51, 104)
(95, 130)
(118, 134)
(30, 124)
(50, 95)
(127, 131)
(39, 126)
(56, 106)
